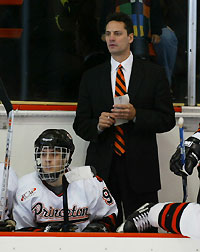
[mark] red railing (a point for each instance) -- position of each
(11, 33)
(11, 2)
(57, 106)
(74, 234)
(46, 106)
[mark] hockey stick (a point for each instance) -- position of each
(182, 147)
(66, 225)
(65, 204)
(10, 113)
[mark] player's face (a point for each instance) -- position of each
(52, 160)
(117, 39)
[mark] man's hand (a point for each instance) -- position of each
(192, 154)
(124, 111)
(155, 39)
(105, 120)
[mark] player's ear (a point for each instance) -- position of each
(130, 37)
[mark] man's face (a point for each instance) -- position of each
(52, 160)
(117, 39)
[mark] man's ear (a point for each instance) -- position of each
(131, 36)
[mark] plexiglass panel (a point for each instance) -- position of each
(61, 39)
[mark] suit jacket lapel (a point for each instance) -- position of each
(135, 81)
(135, 78)
(106, 87)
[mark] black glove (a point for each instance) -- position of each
(192, 156)
(95, 227)
(51, 227)
(60, 227)
(7, 225)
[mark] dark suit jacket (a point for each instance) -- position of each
(149, 93)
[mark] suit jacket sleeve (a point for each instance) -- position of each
(86, 120)
(154, 108)
(148, 92)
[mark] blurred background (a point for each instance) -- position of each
(46, 46)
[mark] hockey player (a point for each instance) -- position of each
(9, 224)
(183, 218)
(192, 152)
(39, 198)
(179, 218)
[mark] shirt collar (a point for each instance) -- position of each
(125, 64)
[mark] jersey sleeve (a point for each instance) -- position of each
(22, 211)
(102, 206)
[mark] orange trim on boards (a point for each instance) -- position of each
(74, 234)
(44, 107)
(178, 109)
(17, 105)
(11, 2)
(11, 33)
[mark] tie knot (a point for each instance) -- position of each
(120, 67)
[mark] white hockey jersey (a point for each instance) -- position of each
(12, 188)
(88, 200)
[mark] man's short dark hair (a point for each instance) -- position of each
(121, 17)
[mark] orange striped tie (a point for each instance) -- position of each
(120, 89)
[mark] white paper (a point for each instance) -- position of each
(124, 99)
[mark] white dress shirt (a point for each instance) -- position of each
(126, 68)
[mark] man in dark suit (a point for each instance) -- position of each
(132, 175)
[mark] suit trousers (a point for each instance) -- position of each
(119, 184)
